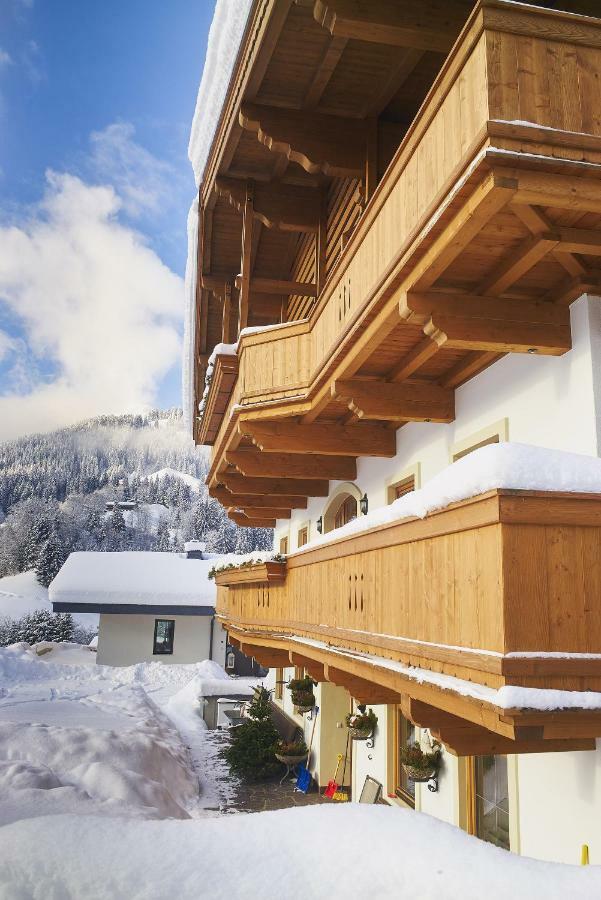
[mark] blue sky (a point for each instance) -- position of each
(96, 101)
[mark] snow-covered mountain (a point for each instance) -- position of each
(62, 491)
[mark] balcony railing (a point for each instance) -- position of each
(515, 101)
(497, 592)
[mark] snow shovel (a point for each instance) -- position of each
(332, 785)
(341, 793)
(304, 779)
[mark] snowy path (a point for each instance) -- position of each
(91, 738)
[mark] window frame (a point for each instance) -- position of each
(171, 630)
(401, 727)
(497, 433)
(412, 473)
(303, 528)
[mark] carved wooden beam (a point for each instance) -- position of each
(332, 440)
(269, 657)
(298, 487)
(293, 465)
(362, 690)
(263, 512)
(277, 204)
(278, 501)
(245, 522)
(314, 668)
(407, 402)
(318, 143)
(469, 322)
(427, 25)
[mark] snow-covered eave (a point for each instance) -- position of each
(505, 700)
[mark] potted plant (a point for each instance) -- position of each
(291, 753)
(301, 690)
(420, 766)
(361, 724)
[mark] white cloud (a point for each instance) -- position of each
(6, 345)
(93, 300)
(144, 183)
(5, 58)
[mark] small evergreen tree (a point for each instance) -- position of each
(52, 556)
(251, 753)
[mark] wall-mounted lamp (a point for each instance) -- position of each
(364, 505)
(320, 524)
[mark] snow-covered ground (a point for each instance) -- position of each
(22, 594)
(110, 788)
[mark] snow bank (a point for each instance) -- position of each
(508, 465)
(134, 577)
(290, 854)
(22, 594)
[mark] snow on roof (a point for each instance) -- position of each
(508, 465)
(192, 482)
(134, 578)
(225, 36)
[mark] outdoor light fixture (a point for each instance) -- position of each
(320, 524)
(364, 505)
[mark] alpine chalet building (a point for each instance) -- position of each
(394, 352)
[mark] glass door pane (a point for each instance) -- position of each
(492, 800)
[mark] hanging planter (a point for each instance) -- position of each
(301, 690)
(291, 753)
(420, 766)
(361, 725)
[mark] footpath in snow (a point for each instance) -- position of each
(110, 789)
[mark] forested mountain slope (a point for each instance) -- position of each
(54, 490)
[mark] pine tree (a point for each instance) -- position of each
(117, 522)
(251, 754)
(52, 555)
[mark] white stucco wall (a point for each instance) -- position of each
(127, 639)
(555, 799)
(548, 401)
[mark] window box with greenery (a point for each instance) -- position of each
(291, 753)
(301, 690)
(361, 724)
(418, 765)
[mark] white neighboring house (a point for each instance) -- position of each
(153, 606)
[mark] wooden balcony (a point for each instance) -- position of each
(441, 614)
(482, 231)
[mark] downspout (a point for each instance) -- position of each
(211, 637)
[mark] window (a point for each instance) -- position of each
(279, 684)
(494, 439)
(284, 545)
(400, 488)
(347, 511)
(491, 799)
(163, 636)
(303, 536)
(342, 507)
(494, 434)
(405, 735)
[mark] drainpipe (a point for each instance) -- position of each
(211, 637)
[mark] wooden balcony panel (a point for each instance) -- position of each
(224, 378)
(465, 592)
(491, 139)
